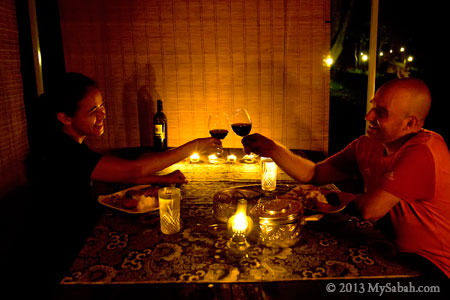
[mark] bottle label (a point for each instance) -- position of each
(159, 131)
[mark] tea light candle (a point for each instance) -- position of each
(231, 158)
(195, 158)
(212, 158)
(249, 158)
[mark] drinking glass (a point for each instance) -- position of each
(218, 125)
(169, 209)
(241, 122)
(268, 174)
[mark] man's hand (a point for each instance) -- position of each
(259, 144)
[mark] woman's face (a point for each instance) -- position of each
(88, 120)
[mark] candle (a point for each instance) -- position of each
(212, 158)
(249, 158)
(195, 158)
(231, 158)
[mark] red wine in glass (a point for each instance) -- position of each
(218, 133)
(240, 122)
(218, 125)
(241, 129)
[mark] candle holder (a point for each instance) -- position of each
(194, 158)
(249, 158)
(231, 158)
(213, 159)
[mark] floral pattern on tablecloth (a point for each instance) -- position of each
(126, 248)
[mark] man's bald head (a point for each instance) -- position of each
(411, 95)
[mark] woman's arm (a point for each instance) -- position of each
(111, 168)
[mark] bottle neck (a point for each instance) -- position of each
(159, 106)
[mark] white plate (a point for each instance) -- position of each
(106, 200)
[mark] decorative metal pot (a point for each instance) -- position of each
(280, 222)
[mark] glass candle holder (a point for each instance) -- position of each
(213, 159)
(249, 158)
(268, 174)
(231, 158)
(194, 158)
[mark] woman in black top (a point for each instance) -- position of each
(66, 167)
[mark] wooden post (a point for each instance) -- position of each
(36, 47)
(372, 54)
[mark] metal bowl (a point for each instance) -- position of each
(280, 222)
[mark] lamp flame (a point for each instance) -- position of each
(240, 223)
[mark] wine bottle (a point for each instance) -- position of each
(160, 129)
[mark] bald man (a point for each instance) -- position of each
(405, 168)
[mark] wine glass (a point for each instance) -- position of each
(218, 125)
(241, 124)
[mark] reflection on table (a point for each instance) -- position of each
(129, 249)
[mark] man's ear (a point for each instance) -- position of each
(412, 122)
(63, 118)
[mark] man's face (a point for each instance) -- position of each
(88, 120)
(387, 117)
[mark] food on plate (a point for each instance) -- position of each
(333, 199)
(146, 202)
(314, 197)
(135, 198)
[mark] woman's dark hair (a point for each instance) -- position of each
(65, 93)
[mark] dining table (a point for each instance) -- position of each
(127, 254)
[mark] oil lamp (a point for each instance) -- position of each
(240, 225)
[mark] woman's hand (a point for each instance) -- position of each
(207, 145)
(176, 177)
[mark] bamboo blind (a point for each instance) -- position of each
(201, 57)
(13, 125)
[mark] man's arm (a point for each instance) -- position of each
(294, 165)
(376, 204)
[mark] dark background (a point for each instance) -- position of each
(420, 27)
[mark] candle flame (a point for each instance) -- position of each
(212, 158)
(194, 157)
(231, 158)
(240, 222)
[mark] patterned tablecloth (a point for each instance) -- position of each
(126, 248)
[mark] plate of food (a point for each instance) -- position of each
(135, 200)
(320, 199)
